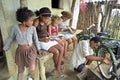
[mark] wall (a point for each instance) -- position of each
(118, 2)
(66, 4)
(7, 19)
(37, 4)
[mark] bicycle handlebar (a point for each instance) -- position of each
(93, 25)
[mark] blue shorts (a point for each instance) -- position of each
(80, 67)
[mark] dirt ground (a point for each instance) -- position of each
(69, 74)
(3, 69)
(50, 74)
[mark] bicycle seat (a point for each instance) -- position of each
(111, 43)
(105, 34)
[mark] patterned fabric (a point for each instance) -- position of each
(53, 30)
(42, 31)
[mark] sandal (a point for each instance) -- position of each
(30, 77)
(61, 76)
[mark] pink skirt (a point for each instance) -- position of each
(25, 56)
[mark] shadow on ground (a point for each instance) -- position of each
(3, 68)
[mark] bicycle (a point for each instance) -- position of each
(109, 72)
(109, 45)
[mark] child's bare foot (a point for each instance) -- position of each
(58, 71)
(59, 74)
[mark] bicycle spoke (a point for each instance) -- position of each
(104, 68)
(97, 66)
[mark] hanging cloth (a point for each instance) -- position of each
(83, 6)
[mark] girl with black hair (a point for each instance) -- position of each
(45, 42)
(25, 35)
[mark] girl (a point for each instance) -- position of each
(47, 44)
(53, 27)
(62, 26)
(53, 32)
(25, 34)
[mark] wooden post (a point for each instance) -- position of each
(75, 9)
(73, 4)
(41, 62)
(107, 18)
(72, 9)
(36, 75)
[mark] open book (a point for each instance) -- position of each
(68, 30)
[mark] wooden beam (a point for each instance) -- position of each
(75, 9)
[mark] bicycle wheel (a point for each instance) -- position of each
(105, 70)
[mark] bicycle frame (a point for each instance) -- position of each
(114, 67)
(115, 62)
(112, 55)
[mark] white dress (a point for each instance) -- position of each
(47, 45)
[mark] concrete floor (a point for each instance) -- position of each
(70, 74)
(3, 69)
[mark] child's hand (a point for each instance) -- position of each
(47, 39)
(52, 39)
(62, 29)
(61, 37)
(42, 53)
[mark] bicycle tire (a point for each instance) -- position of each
(104, 68)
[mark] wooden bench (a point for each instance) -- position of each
(40, 67)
